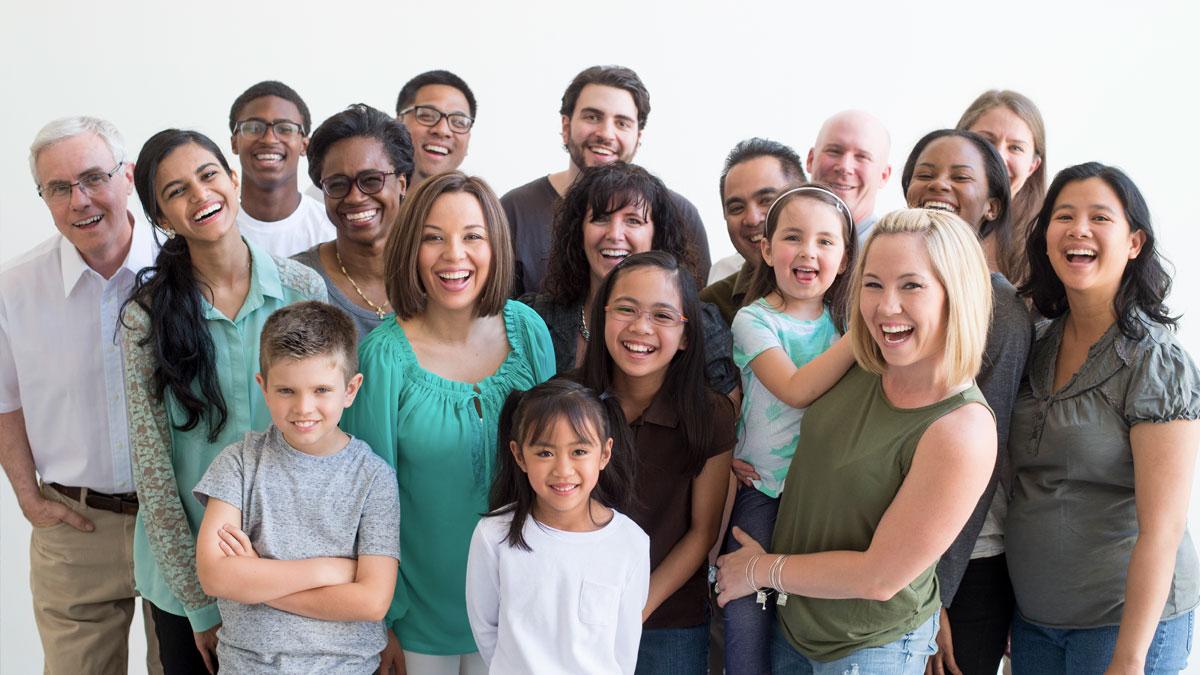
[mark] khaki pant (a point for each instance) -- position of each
(83, 596)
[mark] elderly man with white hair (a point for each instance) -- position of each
(64, 438)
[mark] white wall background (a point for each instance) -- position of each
(1116, 82)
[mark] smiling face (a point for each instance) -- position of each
(1088, 239)
(807, 252)
(360, 217)
(306, 398)
(850, 156)
(750, 187)
(950, 175)
(97, 224)
(455, 257)
(609, 239)
(437, 149)
(640, 348)
(1014, 141)
(563, 467)
(904, 304)
(603, 128)
(270, 161)
(196, 197)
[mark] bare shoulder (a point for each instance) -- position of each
(969, 429)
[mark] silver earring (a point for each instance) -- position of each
(169, 232)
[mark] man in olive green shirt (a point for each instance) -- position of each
(755, 173)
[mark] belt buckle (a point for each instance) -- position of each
(113, 503)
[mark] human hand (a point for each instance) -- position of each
(234, 542)
(206, 644)
(733, 569)
(391, 659)
(744, 472)
(1120, 664)
(42, 512)
(943, 663)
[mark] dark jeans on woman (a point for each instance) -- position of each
(981, 615)
(673, 651)
(747, 623)
(177, 644)
(1037, 650)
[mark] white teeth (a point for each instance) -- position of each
(613, 253)
(437, 149)
(601, 150)
(896, 329)
(305, 424)
(206, 212)
(269, 157)
(451, 276)
(639, 348)
(756, 238)
(1081, 251)
(89, 221)
(939, 206)
(563, 488)
(361, 216)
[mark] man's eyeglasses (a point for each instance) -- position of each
(256, 128)
(89, 184)
(659, 317)
(460, 123)
(369, 182)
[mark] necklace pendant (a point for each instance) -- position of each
(781, 599)
(380, 313)
(761, 598)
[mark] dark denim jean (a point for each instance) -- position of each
(1082, 651)
(673, 651)
(747, 623)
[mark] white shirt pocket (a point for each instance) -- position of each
(598, 603)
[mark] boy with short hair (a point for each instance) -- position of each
(320, 508)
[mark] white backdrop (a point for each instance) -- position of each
(1115, 82)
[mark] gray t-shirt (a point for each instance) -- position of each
(297, 506)
(365, 320)
(1073, 519)
(530, 213)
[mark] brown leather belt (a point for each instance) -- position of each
(124, 503)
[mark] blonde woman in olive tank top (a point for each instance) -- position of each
(889, 465)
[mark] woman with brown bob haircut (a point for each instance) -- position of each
(435, 379)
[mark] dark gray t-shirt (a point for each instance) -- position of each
(297, 506)
(530, 213)
(365, 320)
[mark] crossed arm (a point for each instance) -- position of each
(332, 589)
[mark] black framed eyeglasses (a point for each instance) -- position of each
(89, 184)
(369, 182)
(255, 128)
(427, 115)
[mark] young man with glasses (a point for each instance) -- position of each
(438, 109)
(64, 438)
(270, 125)
(604, 111)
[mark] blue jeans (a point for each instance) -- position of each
(747, 624)
(1080, 651)
(673, 651)
(905, 656)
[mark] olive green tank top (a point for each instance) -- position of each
(855, 450)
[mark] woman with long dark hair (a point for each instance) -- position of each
(1103, 443)
(190, 336)
(609, 213)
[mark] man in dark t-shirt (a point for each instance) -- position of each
(604, 111)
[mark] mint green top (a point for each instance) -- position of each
(168, 462)
(768, 428)
(430, 431)
(854, 453)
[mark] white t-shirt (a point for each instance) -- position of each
(724, 267)
(571, 605)
(306, 227)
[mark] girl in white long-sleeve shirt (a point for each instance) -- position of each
(557, 577)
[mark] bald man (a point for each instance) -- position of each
(851, 156)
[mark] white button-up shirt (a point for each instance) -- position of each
(60, 362)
